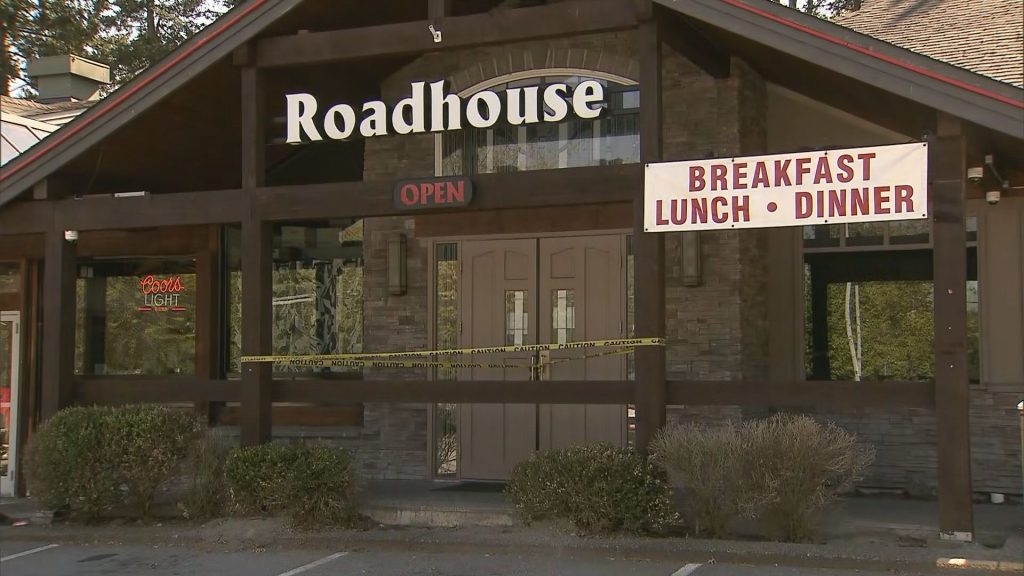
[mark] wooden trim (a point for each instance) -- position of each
(649, 251)
(433, 391)
(947, 169)
(498, 27)
(58, 324)
(820, 395)
(113, 391)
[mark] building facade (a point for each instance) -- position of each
(182, 225)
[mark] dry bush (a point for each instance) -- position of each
(706, 465)
(795, 467)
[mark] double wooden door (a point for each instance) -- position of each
(529, 291)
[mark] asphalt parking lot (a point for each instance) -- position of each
(24, 558)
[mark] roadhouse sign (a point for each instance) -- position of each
(818, 187)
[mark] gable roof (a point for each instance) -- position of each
(991, 104)
(983, 36)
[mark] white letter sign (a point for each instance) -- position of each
(807, 188)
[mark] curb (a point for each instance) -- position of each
(993, 565)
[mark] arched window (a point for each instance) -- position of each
(613, 138)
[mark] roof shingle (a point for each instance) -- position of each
(983, 36)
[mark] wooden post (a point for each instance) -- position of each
(948, 169)
(58, 360)
(437, 9)
(649, 251)
(257, 270)
(821, 368)
(209, 357)
(95, 333)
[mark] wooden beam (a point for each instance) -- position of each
(113, 391)
(26, 218)
(176, 209)
(58, 348)
(947, 170)
(649, 251)
(533, 189)
(498, 27)
(414, 391)
(16, 247)
(820, 395)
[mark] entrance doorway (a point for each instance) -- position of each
(529, 291)
(10, 337)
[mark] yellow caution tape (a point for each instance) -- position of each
(586, 345)
(305, 362)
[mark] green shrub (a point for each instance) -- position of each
(71, 465)
(599, 488)
(323, 486)
(153, 443)
(89, 459)
(706, 465)
(207, 494)
(795, 467)
(316, 484)
(257, 477)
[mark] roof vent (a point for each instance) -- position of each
(67, 78)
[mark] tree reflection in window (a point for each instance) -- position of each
(612, 138)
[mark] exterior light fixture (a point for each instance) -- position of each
(689, 255)
(71, 235)
(397, 283)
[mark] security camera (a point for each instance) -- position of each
(993, 196)
(975, 174)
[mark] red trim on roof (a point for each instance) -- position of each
(61, 136)
(888, 59)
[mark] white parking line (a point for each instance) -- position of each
(687, 570)
(27, 552)
(313, 564)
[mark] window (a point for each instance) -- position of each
(870, 303)
(136, 316)
(317, 291)
(612, 138)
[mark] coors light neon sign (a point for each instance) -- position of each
(161, 294)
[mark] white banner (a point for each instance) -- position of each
(819, 187)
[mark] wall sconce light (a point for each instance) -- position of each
(689, 248)
(396, 265)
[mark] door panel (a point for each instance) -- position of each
(554, 290)
(581, 292)
(9, 362)
(498, 301)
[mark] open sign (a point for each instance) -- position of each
(433, 193)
